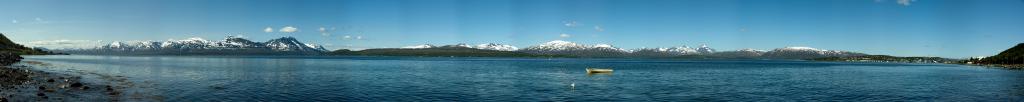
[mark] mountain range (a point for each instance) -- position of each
(566, 48)
(199, 46)
(291, 46)
(487, 46)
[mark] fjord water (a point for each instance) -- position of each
(284, 78)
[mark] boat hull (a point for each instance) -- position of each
(596, 70)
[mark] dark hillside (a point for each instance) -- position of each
(8, 46)
(1014, 55)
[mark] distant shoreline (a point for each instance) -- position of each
(1005, 66)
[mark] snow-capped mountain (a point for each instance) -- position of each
(419, 46)
(661, 51)
(292, 44)
(704, 49)
(743, 53)
(460, 45)
(499, 47)
(486, 46)
(570, 48)
(751, 50)
(558, 45)
(230, 45)
(608, 47)
(238, 42)
(606, 50)
(806, 53)
(117, 45)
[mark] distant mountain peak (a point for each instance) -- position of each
(460, 45)
(284, 39)
(560, 43)
(603, 46)
(485, 46)
(499, 47)
(197, 44)
(799, 48)
(195, 39)
(807, 53)
(420, 46)
(704, 49)
(571, 48)
(751, 50)
(288, 44)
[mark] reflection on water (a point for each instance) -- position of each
(599, 74)
(290, 78)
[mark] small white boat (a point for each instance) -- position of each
(598, 70)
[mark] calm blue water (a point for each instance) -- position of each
(510, 79)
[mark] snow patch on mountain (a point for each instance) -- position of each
(807, 53)
(197, 43)
(499, 47)
(485, 46)
(751, 50)
(704, 49)
(419, 46)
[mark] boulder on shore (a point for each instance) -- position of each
(8, 58)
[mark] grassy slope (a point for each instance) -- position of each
(6, 45)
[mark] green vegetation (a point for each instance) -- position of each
(439, 52)
(886, 58)
(1014, 55)
(1012, 58)
(8, 46)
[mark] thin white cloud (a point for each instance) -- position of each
(570, 23)
(14, 21)
(41, 21)
(237, 36)
(326, 32)
(563, 35)
(268, 30)
(61, 44)
(598, 28)
(359, 37)
(347, 37)
(904, 2)
(289, 29)
(900, 2)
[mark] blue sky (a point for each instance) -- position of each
(945, 28)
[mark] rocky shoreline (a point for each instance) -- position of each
(22, 83)
(1005, 66)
